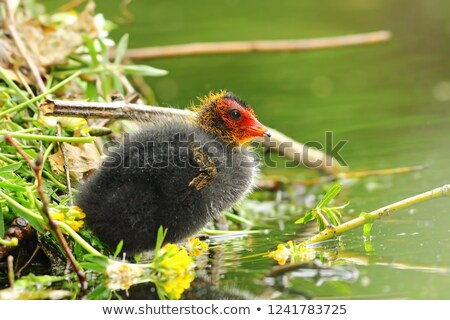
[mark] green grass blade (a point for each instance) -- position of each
(330, 195)
(2, 223)
(41, 96)
(11, 167)
(28, 136)
(309, 216)
(92, 52)
(12, 85)
(121, 48)
(144, 70)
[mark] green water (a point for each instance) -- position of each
(390, 101)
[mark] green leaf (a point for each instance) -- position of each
(15, 127)
(2, 223)
(11, 186)
(330, 195)
(104, 51)
(138, 257)
(121, 48)
(306, 218)
(14, 205)
(341, 207)
(100, 293)
(333, 216)
(118, 248)
(368, 247)
(144, 70)
(91, 91)
(11, 167)
(99, 260)
(320, 224)
(159, 240)
(91, 48)
(367, 229)
(162, 294)
(118, 297)
(105, 81)
(92, 266)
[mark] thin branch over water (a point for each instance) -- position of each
(233, 47)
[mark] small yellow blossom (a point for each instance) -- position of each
(73, 216)
(293, 252)
(57, 215)
(75, 225)
(76, 212)
(195, 247)
(282, 254)
(174, 270)
(306, 254)
(122, 275)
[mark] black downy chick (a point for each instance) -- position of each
(176, 172)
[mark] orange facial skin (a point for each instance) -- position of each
(230, 118)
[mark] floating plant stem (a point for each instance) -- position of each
(334, 231)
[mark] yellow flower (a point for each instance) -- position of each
(75, 225)
(73, 216)
(174, 270)
(76, 212)
(57, 215)
(195, 247)
(293, 252)
(306, 254)
(122, 275)
(281, 254)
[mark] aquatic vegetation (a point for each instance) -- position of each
(330, 226)
(34, 180)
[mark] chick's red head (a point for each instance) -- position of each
(229, 117)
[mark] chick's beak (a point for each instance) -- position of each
(257, 129)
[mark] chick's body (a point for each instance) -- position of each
(175, 172)
(146, 182)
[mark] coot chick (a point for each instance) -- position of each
(176, 172)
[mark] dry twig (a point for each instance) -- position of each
(120, 109)
(66, 164)
(21, 46)
(193, 49)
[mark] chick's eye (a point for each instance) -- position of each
(235, 114)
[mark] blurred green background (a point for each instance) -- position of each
(390, 101)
